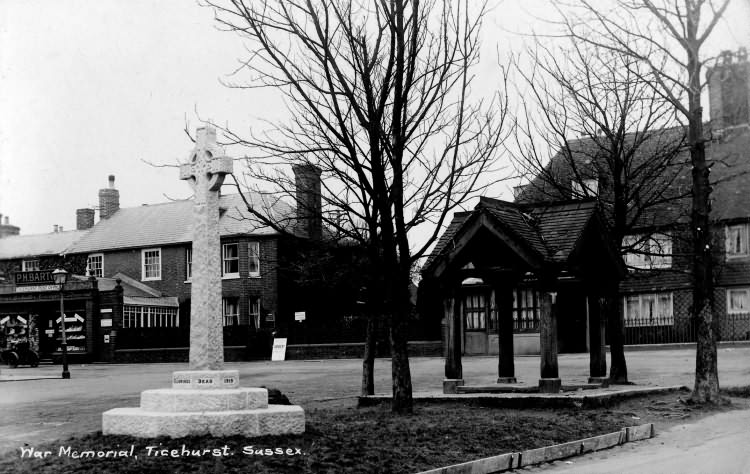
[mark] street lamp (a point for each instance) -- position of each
(61, 276)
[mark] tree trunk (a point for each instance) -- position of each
(368, 362)
(618, 368)
(706, 368)
(400, 372)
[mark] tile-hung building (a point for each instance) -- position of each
(135, 296)
(656, 296)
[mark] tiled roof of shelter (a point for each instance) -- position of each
(550, 229)
(516, 221)
(445, 238)
(171, 223)
(728, 154)
(34, 245)
(561, 225)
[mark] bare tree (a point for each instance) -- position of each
(595, 112)
(379, 101)
(668, 36)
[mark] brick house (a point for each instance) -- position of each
(656, 296)
(135, 295)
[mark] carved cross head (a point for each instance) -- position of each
(207, 165)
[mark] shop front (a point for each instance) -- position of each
(30, 313)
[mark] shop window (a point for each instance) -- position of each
(737, 241)
(136, 316)
(30, 265)
(475, 312)
(151, 264)
(95, 265)
(253, 252)
(230, 257)
(231, 311)
(738, 300)
(648, 309)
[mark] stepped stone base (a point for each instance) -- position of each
(180, 400)
(204, 402)
(137, 422)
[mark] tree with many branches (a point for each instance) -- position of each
(590, 125)
(379, 101)
(669, 36)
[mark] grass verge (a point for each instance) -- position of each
(347, 439)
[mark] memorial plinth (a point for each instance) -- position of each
(204, 402)
(207, 399)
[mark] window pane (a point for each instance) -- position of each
(231, 311)
(737, 240)
(255, 311)
(94, 265)
(475, 312)
(253, 250)
(664, 310)
(632, 310)
(189, 263)
(231, 259)
(648, 309)
(152, 264)
(739, 300)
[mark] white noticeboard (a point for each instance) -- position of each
(299, 316)
(279, 349)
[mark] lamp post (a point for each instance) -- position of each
(61, 276)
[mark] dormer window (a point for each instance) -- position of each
(584, 188)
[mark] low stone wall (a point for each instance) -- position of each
(293, 352)
(355, 350)
(172, 354)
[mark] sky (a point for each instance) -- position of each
(93, 88)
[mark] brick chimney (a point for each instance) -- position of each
(84, 218)
(109, 199)
(729, 89)
(6, 229)
(309, 201)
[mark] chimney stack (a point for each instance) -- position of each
(84, 218)
(729, 90)
(309, 201)
(109, 199)
(6, 229)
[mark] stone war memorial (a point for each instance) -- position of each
(206, 399)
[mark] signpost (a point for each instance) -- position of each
(299, 316)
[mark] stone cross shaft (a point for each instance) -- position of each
(205, 172)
